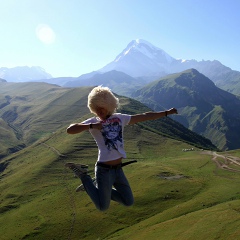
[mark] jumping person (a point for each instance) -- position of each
(107, 128)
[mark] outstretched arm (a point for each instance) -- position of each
(77, 128)
(80, 127)
(151, 115)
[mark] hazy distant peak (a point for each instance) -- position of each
(145, 48)
(140, 42)
(141, 58)
(24, 73)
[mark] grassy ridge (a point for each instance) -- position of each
(30, 111)
(203, 108)
(34, 110)
(176, 193)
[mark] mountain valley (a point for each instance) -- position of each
(181, 184)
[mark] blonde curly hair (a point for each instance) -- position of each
(104, 98)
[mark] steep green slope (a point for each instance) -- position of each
(30, 111)
(229, 81)
(35, 110)
(171, 188)
(203, 108)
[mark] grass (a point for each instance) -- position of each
(38, 200)
(204, 224)
(30, 111)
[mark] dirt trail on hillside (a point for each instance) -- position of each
(53, 149)
(72, 204)
(225, 162)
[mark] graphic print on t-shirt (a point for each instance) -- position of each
(112, 133)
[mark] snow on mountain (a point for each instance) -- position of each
(146, 49)
(140, 58)
(23, 74)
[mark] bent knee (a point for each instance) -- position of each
(103, 208)
(129, 202)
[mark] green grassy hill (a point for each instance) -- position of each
(203, 108)
(178, 195)
(30, 111)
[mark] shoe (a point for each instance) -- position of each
(82, 188)
(78, 169)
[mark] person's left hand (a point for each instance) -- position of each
(172, 111)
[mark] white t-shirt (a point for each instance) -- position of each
(110, 138)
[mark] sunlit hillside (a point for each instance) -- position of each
(176, 184)
(177, 193)
(30, 111)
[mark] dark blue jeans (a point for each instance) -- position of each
(112, 184)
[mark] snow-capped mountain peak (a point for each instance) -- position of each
(140, 58)
(145, 48)
(139, 45)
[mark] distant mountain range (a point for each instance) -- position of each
(23, 74)
(149, 74)
(140, 60)
(146, 63)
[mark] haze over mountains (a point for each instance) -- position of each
(144, 72)
(140, 60)
(23, 74)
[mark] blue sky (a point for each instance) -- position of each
(73, 37)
